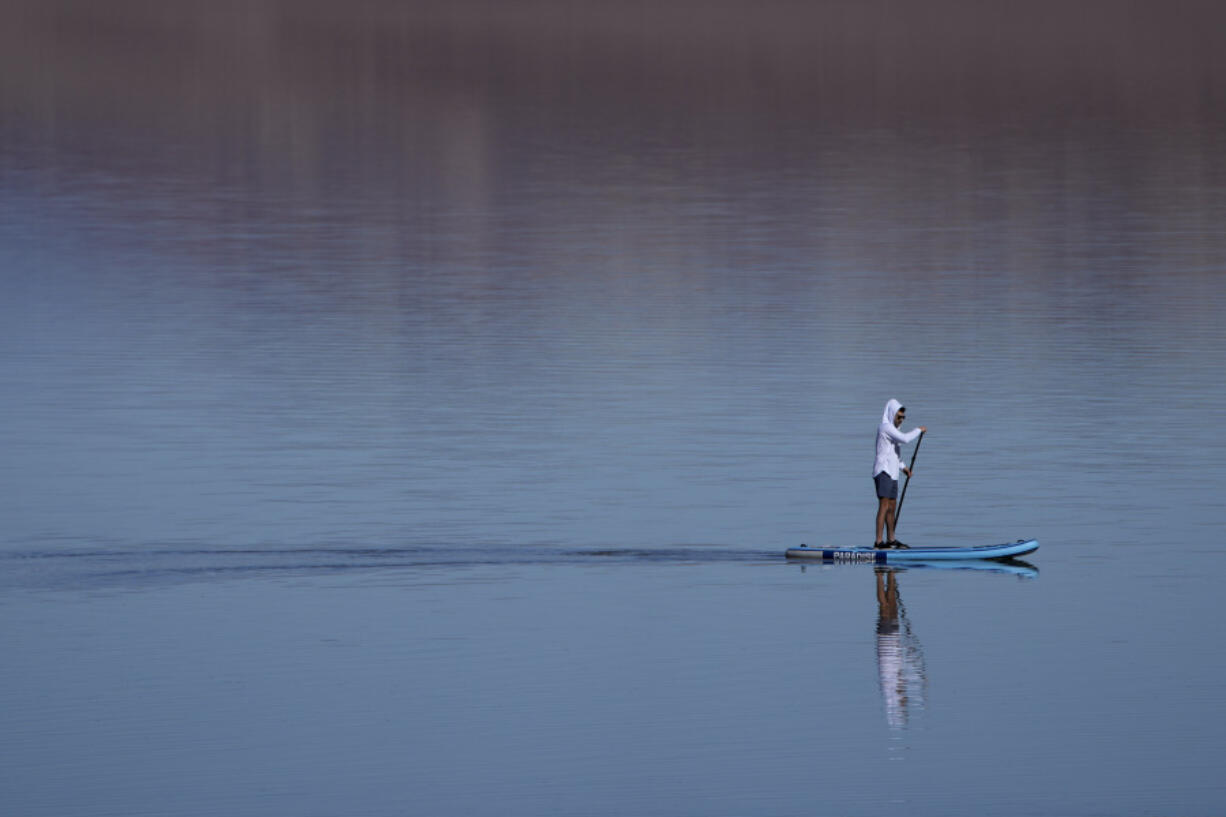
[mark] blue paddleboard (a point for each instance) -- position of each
(878, 556)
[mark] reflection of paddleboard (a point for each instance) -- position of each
(914, 554)
(1014, 567)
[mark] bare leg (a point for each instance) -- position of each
(883, 510)
(891, 507)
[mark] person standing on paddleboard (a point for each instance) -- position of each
(885, 469)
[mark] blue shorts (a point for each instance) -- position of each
(887, 488)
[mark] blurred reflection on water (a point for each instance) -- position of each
(900, 658)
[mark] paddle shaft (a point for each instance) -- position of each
(914, 454)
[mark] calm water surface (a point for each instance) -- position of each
(406, 408)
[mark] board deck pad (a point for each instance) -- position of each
(881, 556)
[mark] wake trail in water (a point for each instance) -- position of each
(92, 567)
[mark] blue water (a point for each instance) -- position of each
(406, 411)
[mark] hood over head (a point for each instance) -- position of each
(891, 408)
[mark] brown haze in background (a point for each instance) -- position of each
(299, 80)
(406, 120)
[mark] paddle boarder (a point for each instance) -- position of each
(885, 469)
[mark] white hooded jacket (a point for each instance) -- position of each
(890, 441)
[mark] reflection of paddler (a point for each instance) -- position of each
(900, 659)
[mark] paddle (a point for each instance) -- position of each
(898, 510)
